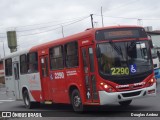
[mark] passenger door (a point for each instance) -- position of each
(89, 74)
(16, 79)
(45, 77)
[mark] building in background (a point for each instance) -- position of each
(1, 72)
(155, 35)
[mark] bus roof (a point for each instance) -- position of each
(87, 32)
(63, 40)
(17, 53)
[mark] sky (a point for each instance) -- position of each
(39, 21)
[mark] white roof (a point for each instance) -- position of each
(17, 53)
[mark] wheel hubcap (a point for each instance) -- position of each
(77, 101)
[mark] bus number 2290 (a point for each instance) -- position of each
(59, 75)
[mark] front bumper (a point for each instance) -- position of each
(107, 98)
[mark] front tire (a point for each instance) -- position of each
(125, 103)
(76, 101)
(27, 101)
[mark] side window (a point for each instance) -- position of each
(84, 54)
(16, 70)
(8, 67)
(56, 58)
(32, 62)
(71, 54)
(23, 64)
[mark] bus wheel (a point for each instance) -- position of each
(27, 102)
(125, 103)
(76, 101)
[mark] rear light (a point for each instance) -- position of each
(150, 82)
(107, 87)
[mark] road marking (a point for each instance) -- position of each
(6, 100)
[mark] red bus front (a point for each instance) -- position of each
(125, 68)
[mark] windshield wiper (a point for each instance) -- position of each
(144, 65)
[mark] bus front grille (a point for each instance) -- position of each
(131, 94)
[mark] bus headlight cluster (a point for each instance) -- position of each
(107, 88)
(150, 82)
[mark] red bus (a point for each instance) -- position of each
(96, 67)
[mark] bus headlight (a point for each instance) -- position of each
(107, 87)
(150, 82)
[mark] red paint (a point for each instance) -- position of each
(36, 95)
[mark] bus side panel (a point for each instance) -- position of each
(10, 86)
(59, 86)
(73, 77)
(34, 84)
(22, 79)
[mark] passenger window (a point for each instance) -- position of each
(56, 58)
(71, 50)
(8, 67)
(91, 59)
(23, 64)
(16, 70)
(84, 54)
(32, 62)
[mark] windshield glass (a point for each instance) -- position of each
(124, 58)
(154, 53)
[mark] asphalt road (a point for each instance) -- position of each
(65, 112)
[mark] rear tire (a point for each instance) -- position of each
(125, 103)
(76, 101)
(27, 101)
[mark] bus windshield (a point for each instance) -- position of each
(154, 53)
(124, 58)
